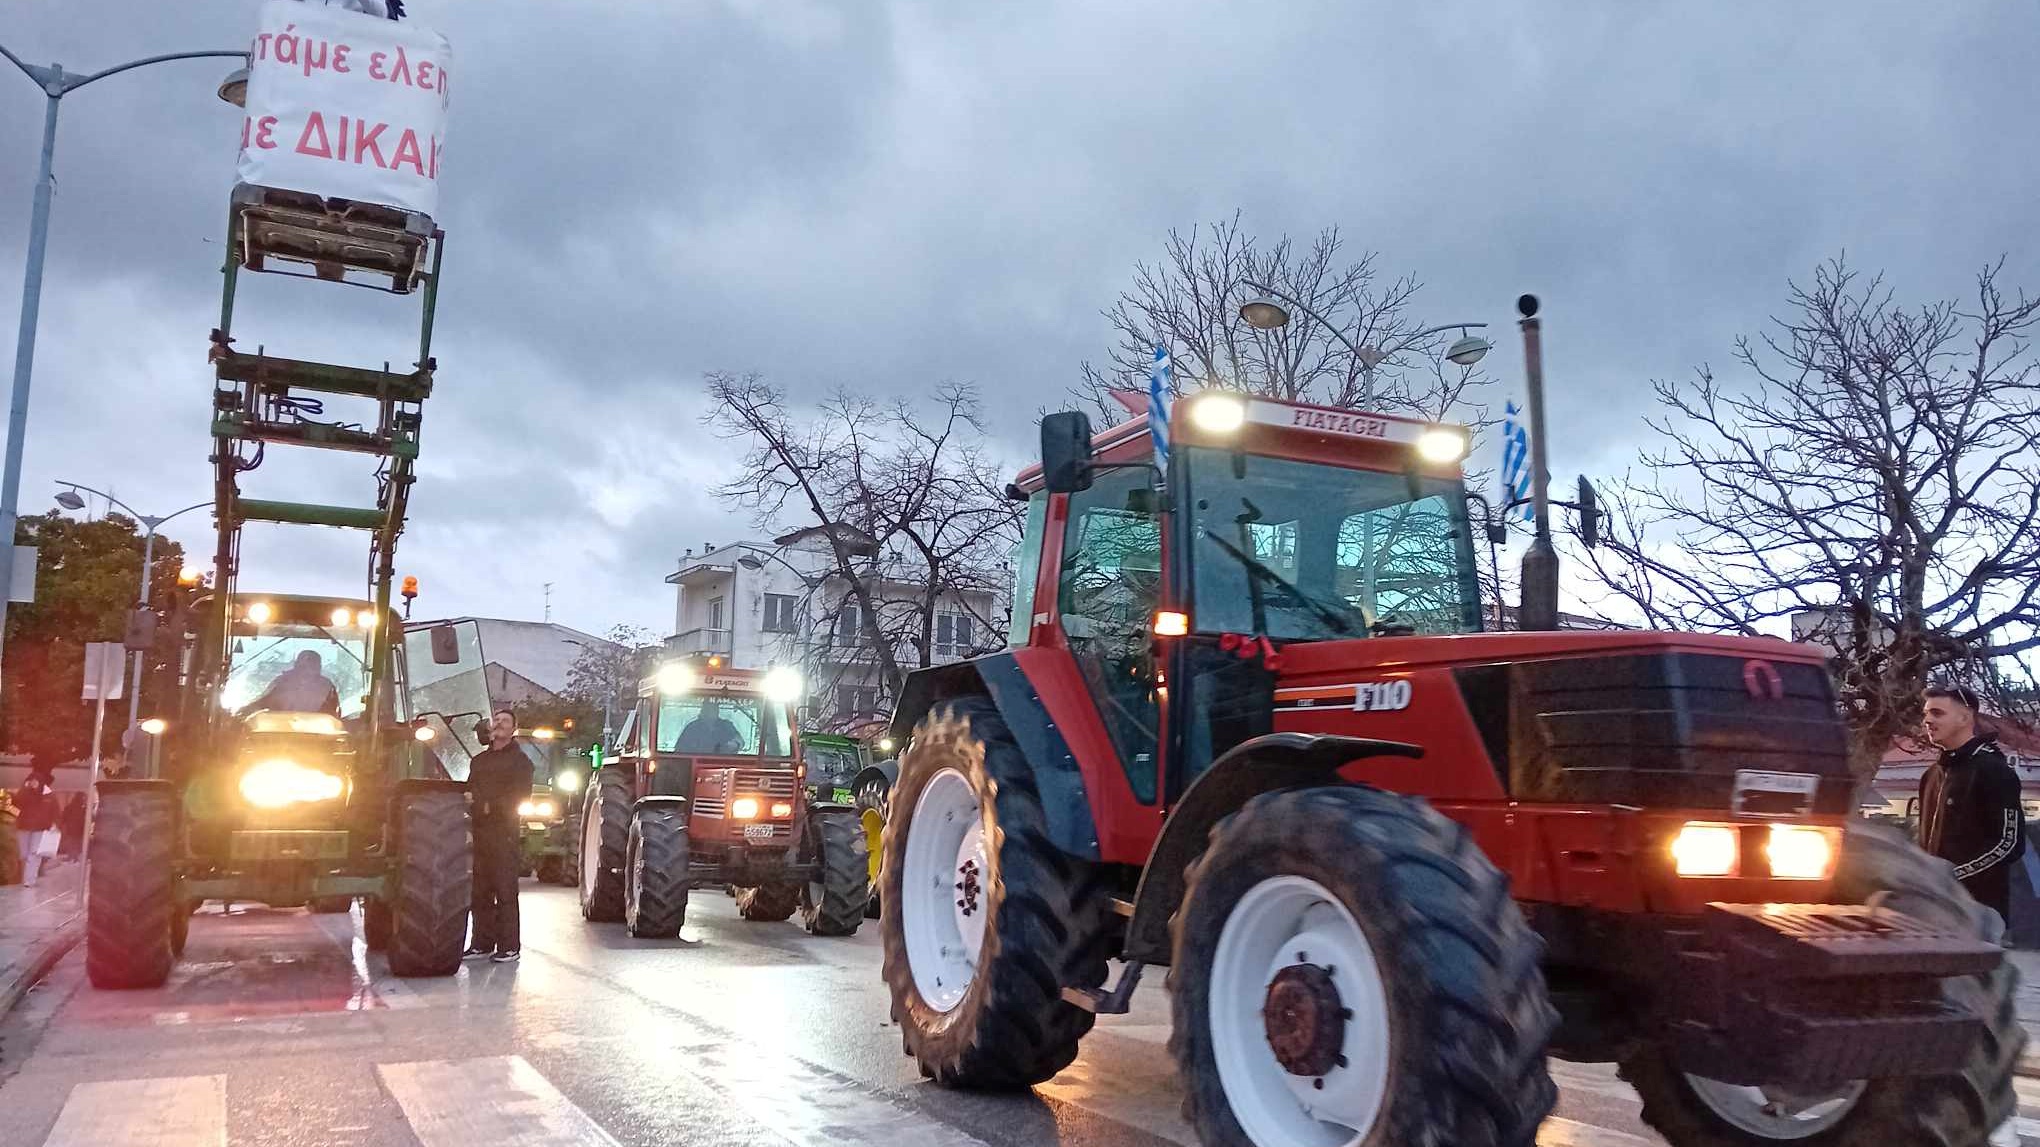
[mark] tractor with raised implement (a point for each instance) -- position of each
(706, 789)
(1249, 729)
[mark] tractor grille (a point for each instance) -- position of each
(713, 799)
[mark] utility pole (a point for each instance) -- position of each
(1539, 610)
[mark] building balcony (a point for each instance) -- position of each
(699, 640)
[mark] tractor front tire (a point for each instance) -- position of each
(550, 870)
(130, 882)
(605, 836)
(768, 903)
(871, 798)
(435, 882)
(1040, 919)
(1961, 1109)
(1405, 1006)
(833, 902)
(655, 873)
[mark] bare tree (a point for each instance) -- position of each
(1874, 470)
(1190, 301)
(909, 503)
(606, 676)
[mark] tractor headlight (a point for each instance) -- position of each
(781, 810)
(744, 808)
(278, 783)
(537, 808)
(568, 782)
(782, 686)
(1801, 853)
(1706, 850)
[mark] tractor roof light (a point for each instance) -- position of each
(1441, 446)
(542, 734)
(782, 686)
(424, 734)
(1171, 623)
(343, 617)
(675, 677)
(1217, 413)
(260, 613)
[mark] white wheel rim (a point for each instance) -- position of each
(591, 850)
(1775, 1113)
(944, 924)
(1277, 921)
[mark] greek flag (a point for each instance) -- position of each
(1516, 461)
(1158, 407)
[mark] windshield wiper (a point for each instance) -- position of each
(1331, 617)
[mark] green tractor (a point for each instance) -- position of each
(291, 774)
(841, 771)
(551, 818)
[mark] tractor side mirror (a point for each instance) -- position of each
(1590, 514)
(445, 645)
(1066, 451)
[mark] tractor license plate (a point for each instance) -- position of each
(1773, 794)
(757, 832)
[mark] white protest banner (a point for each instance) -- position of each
(346, 106)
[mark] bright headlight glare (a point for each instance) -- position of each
(1706, 850)
(260, 612)
(782, 686)
(277, 783)
(675, 677)
(1218, 414)
(1798, 852)
(568, 782)
(781, 810)
(424, 733)
(744, 808)
(1441, 446)
(342, 617)
(527, 808)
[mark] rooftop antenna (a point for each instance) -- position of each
(548, 601)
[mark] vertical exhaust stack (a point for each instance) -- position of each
(1539, 608)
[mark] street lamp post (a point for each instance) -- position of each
(69, 499)
(55, 83)
(1268, 313)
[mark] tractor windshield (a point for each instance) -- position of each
(297, 666)
(1304, 551)
(723, 726)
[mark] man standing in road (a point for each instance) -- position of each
(499, 779)
(1970, 813)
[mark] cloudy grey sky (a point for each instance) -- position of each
(884, 195)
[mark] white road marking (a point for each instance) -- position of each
(186, 1111)
(502, 1101)
(1558, 1132)
(828, 1112)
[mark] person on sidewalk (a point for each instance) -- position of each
(36, 815)
(1970, 815)
(499, 779)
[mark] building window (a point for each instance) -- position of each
(850, 627)
(782, 613)
(715, 613)
(952, 634)
(856, 700)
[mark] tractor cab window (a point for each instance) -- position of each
(723, 726)
(1303, 551)
(1111, 581)
(1026, 567)
(297, 666)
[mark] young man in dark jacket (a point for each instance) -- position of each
(1970, 813)
(499, 779)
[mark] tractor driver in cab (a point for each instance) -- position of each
(303, 688)
(710, 732)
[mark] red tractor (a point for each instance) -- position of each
(1249, 729)
(705, 789)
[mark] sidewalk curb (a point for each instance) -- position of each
(43, 956)
(2029, 1064)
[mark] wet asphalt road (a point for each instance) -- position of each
(279, 1029)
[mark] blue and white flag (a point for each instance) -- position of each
(1516, 462)
(1158, 407)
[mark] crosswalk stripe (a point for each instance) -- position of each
(502, 1101)
(830, 1112)
(1558, 1132)
(187, 1111)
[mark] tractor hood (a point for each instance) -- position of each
(1635, 718)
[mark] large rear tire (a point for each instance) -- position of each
(768, 903)
(999, 921)
(833, 903)
(1349, 969)
(655, 873)
(871, 798)
(130, 882)
(376, 923)
(1957, 1110)
(605, 836)
(435, 883)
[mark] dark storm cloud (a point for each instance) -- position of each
(885, 195)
